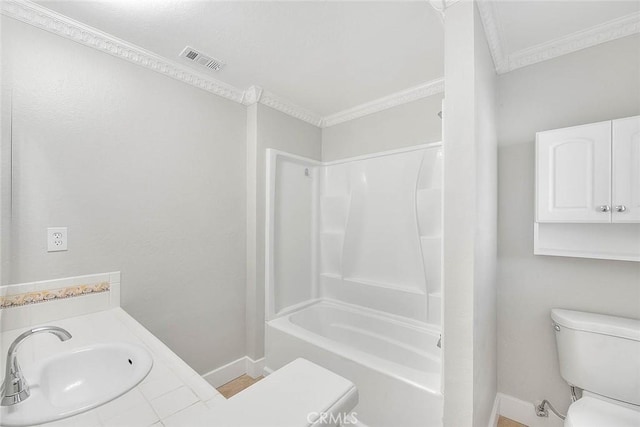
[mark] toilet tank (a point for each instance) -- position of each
(599, 353)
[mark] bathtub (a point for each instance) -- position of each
(394, 362)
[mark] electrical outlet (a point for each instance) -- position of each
(56, 239)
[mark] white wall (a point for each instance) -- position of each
(5, 175)
(267, 128)
(470, 196)
(599, 83)
(146, 172)
(485, 370)
(402, 126)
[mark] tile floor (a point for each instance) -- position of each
(236, 386)
(506, 422)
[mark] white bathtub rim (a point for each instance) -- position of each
(297, 307)
(353, 355)
(417, 325)
(395, 343)
(394, 319)
(285, 325)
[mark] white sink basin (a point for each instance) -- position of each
(74, 382)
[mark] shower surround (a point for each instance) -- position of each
(353, 275)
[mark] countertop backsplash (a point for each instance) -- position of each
(27, 304)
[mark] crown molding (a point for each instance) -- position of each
(255, 95)
(608, 31)
(405, 96)
(493, 33)
(252, 95)
(48, 20)
(602, 33)
(283, 105)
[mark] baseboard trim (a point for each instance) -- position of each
(495, 412)
(226, 373)
(232, 370)
(255, 368)
(522, 412)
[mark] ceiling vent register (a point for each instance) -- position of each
(209, 62)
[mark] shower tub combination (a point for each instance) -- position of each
(353, 261)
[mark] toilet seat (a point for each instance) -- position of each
(592, 412)
(295, 395)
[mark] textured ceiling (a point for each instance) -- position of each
(525, 23)
(324, 56)
(327, 56)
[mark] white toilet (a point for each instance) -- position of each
(601, 356)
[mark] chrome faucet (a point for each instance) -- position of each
(15, 388)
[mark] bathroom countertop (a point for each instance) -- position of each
(173, 394)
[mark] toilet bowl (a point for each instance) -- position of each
(600, 355)
(299, 394)
(594, 411)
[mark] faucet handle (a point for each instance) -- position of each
(15, 388)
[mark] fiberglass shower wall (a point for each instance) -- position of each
(365, 231)
(380, 232)
(291, 248)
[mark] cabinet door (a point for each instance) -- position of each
(626, 170)
(573, 166)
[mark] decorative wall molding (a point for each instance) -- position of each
(607, 31)
(408, 95)
(45, 295)
(611, 30)
(252, 95)
(274, 101)
(48, 20)
(493, 33)
(255, 94)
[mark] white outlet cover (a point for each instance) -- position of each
(56, 239)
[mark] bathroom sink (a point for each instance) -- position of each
(76, 381)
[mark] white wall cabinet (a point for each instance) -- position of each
(574, 174)
(590, 173)
(588, 190)
(626, 170)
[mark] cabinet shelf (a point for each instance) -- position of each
(586, 177)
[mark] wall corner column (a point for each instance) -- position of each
(251, 237)
(469, 221)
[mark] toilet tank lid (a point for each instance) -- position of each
(597, 323)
